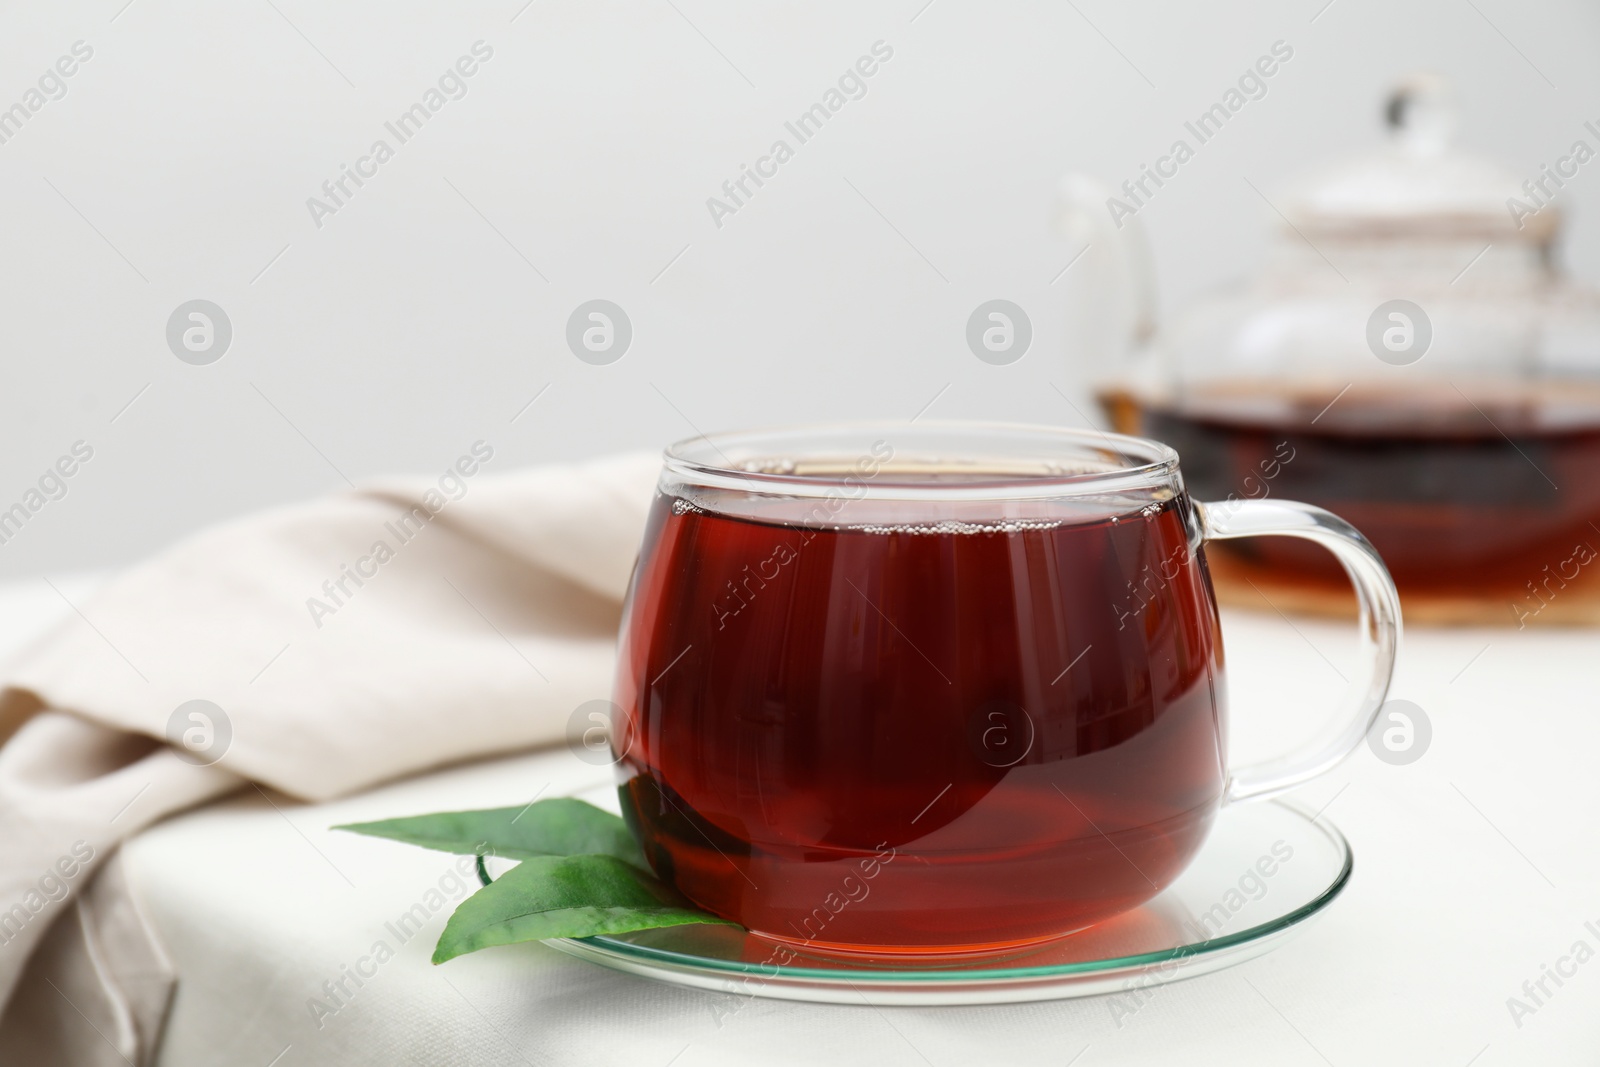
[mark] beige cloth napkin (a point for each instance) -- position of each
(482, 610)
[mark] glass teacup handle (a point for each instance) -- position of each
(1378, 626)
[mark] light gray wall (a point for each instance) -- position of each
(416, 321)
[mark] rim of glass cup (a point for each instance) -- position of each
(1061, 462)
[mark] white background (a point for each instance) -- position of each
(415, 321)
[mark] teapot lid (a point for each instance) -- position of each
(1419, 186)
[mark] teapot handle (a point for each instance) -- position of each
(1084, 215)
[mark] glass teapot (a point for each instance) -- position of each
(1412, 358)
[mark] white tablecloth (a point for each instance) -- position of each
(1476, 869)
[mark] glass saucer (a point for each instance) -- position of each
(1265, 869)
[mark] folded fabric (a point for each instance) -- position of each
(315, 649)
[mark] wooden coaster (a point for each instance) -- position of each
(1242, 585)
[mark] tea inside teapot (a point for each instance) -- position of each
(1489, 489)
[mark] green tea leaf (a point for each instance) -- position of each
(563, 896)
(557, 827)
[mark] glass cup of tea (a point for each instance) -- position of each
(943, 687)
